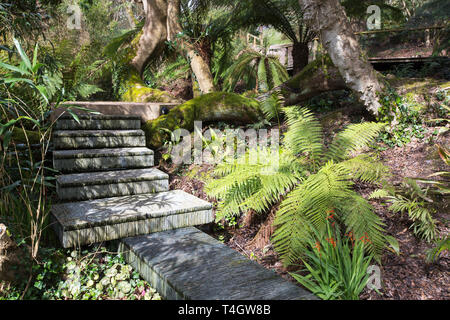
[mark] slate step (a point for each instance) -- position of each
(189, 264)
(85, 160)
(86, 222)
(99, 122)
(96, 139)
(107, 184)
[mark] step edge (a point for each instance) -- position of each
(81, 153)
(147, 216)
(160, 177)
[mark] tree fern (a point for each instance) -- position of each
(265, 69)
(313, 181)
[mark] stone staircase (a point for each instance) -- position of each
(108, 186)
(108, 190)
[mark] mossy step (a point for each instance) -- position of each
(96, 185)
(87, 222)
(98, 122)
(84, 139)
(92, 160)
(189, 264)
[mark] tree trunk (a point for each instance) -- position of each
(199, 66)
(161, 24)
(153, 34)
(212, 107)
(328, 18)
(300, 55)
(317, 77)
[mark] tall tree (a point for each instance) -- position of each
(162, 24)
(328, 18)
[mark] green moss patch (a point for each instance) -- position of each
(216, 106)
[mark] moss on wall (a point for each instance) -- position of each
(18, 136)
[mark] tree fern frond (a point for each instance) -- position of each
(354, 137)
(308, 204)
(242, 186)
(262, 75)
(358, 217)
(365, 168)
(304, 134)
(271, 106)
(277, 71)
(423, 225)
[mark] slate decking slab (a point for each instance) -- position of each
(86, 222)
(106, 177)
(95, 185)
(189, 264)
(71, 161)
(99, 122)
(84, 139)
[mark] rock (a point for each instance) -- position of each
(9, 256)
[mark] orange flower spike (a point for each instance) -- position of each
(331, 241)
(317, 246)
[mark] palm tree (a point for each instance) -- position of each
(285, 16)
(260, 70)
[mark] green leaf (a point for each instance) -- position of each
(35, 54)
(14, 80)
(23, 55)
(393, 243)
(14, 69)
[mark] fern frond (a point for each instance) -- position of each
(277, 71)
(365, 168)
(272, 105)
(423, 223)
(113, 46)
(379, 194)
(241, 186)
(358, 217)
(304, 135)
(307, 205)
(353, 138)
(263, 78)
(86, 90)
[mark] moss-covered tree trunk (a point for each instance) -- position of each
(161, 25)
(212, 107)
(330, 21)
(147, 44)
(199, 64)
(317, 77)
